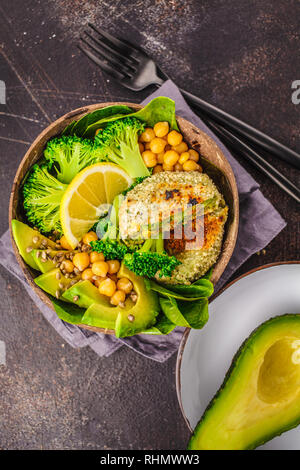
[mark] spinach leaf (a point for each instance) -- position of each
(67, 311)
(159, 109)
(101, 114)
(188, 314)
(163, 326)
(195, 313)
(200, 289)
(68, 129)
(170, 308)
(91, 129)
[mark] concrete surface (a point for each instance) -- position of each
(240, 55)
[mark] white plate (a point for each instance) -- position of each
(206, 355)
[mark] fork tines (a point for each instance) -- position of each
(113, 55)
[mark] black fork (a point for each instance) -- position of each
(134, 69)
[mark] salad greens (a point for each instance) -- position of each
(117, 141)
(80, 127)
(159, 109)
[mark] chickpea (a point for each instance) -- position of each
(89, 237)
(157, 169)
(65, 244)
(178, 167)
(125, 285)
(194, 155)
(147, 146)
(190, 165)
(117, 297)
(161, 128)
(81, 261)
(157, 145)
(184, 157)
(87, 275)
(100, 268)
(171, 157)
(97, 282)
(113, 266)
(68, 266)
(149, 158)
(107, 287)
(141, 147)
(174, 138)
(168, 167)
(95, 256)
(147, 135)
(160, 157)
(182, 147)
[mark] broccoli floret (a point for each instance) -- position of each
(108, 230)
(111, 249)
(118, 142)
(151, 259)
(42, 194)
(68, 155)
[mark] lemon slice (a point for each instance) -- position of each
(82, 204)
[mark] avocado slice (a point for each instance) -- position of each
(101, 317)
(138, 317)
(87, 295)
(102, 314)
(54, 281)
(260, 396)
(24, 236)
(48, 264)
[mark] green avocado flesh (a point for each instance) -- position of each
(131, 319)
(87, 295)
(24, 236)
(54, 281)
(135, 318)
(48, 264)
(260, 397)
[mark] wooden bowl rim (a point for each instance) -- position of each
(76, 114)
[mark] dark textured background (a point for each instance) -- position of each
(238, 54)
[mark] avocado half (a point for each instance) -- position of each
(260, 396)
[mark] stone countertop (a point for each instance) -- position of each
(240, 56)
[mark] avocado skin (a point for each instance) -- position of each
(248, 341)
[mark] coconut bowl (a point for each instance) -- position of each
(213, 161)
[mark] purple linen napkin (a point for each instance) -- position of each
(259, 224)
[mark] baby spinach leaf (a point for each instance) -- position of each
(163, 326)
(188, 314)
(159, 109)
(101, 114)
(195, 313)
(67, 311)
(170, 308)
(198, 290)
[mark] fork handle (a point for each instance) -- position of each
(257, 160)
(253, 135)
